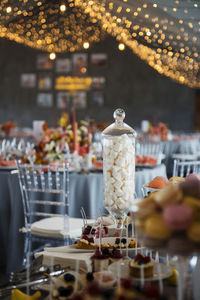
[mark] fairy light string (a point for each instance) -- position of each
(164, 33)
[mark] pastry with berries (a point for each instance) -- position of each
(141, 264)
(86, 243)
(88, 230)
(115, 255)
(100, 260)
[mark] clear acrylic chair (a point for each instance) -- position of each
(183, 168)
(45, 196)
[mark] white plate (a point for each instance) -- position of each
(165, 271)
(68, 249)
(149, 188)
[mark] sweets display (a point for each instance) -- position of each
(141, 266)
(118, 167)
(64, 286)
(170, 218)
(121, 243)
(159, 182)
(102, 285)
(119, 173)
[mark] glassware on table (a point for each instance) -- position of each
(119, 167)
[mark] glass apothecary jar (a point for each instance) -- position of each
(119, 167)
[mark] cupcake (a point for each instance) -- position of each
(100, 261)
(141, 264)
(115, 255)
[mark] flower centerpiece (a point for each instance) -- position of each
(7, 127)
(160, 130)
(56, 142)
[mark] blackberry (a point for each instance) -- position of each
(65, 291)
(117, 241)
(69, 277)
(90, 276)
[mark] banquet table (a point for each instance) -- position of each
(85, 190)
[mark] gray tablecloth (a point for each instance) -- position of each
(85, 190)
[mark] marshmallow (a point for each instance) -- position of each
(119, 166)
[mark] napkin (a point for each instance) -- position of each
(54, 227)
(66, 259)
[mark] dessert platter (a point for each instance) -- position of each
(141, 268)
(168, 220)
(143, 161)
(160, 182)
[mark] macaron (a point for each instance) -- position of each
(176, 179)
(192, 176)
(193, 232)
(162, 178)
(168, 195)
(177, 216)
(194, 204)
(145, 207)
(140, 225)
(156, 184)
(191, 188)
(156, 228)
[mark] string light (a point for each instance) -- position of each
(8, 9)
(52, 56)
(86, 45)
(63, 7)
(152, 34)
(166, 37)
(121, 46)
(40, 25)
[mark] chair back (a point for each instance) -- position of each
(146, 148)
(45, 191)
(150, 149)
(183, 168)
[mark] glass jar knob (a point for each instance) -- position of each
(119, 115)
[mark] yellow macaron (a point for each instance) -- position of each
(155, 227)
(193, 232)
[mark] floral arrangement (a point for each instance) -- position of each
(161, 129)
(56, 142)
(7, 127)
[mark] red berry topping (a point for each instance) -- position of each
(147, 259)
(139, 257)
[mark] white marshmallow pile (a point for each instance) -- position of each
(119, 172)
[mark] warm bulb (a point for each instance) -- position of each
(52, 56)
(121, 47)
(63, 7)
(8, 9)
(86, 45)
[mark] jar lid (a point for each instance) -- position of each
(119, 127)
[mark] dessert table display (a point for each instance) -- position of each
(96, 266)
(85, 190)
